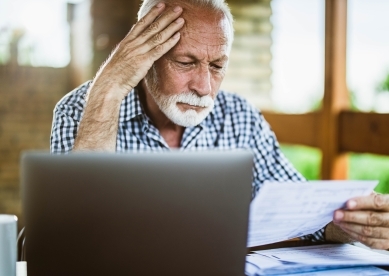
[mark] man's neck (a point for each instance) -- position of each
(171, 132)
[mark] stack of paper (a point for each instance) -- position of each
(283, 211)
(329, 259)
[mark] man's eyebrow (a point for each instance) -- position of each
(188, 55)
(221, 59)
(191, 56)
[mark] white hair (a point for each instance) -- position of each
(215, 5)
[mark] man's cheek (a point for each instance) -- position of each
(181, 81)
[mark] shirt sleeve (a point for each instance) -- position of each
(66, 118)
(318, 236)
(270, 164)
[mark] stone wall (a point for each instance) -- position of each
(27, 99)
(250, 70)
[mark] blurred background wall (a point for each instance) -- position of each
(40, 64)
(49, 47)
(35, 71)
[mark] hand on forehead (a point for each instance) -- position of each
(204, 23)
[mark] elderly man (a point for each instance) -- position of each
(159, 90)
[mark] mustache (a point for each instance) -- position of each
(192, 98)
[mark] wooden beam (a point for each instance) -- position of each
(302, 129)
(358, 132)
(334, 164)
(364, 132)
(80, 44)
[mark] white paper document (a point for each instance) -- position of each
(251, 270)
(315, 258)
(285, 210)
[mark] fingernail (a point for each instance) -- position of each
(352, 204)
(338, 215)
(176, 35)
(177, 9)
(159, 5)
(179, 20)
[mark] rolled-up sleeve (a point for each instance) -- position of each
(66, 118)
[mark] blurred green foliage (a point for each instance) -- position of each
(384, 85)
(368, 166)
(305, 159)
(361, 166)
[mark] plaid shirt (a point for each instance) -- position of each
(232, 124)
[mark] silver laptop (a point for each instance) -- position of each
(171, 213)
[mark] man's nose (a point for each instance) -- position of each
(201, 81)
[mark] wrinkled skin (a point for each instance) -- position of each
(197, 63)
(150, 38)
(366, 219)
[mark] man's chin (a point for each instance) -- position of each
(189, 118)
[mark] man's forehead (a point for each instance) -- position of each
(196, 45)
(203, 21)
(210, 38)
(204, 31)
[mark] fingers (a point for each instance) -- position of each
(150, 38)
(145, 21)
(368, 227)
(365, 230)
(162, 37)
(151, 26)
(161, 23)
(374, 237)
(162, 49)
(369, 218)
(371, 202)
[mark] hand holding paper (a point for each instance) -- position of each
(283, 211)
(366, 220)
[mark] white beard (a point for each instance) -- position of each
(168, 104)
(188, 118)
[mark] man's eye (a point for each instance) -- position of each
(217, 67)
(186, 64)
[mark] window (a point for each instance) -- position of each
(368, 55)
(38, 29)
(298, 55)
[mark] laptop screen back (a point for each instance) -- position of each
(172, 213)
